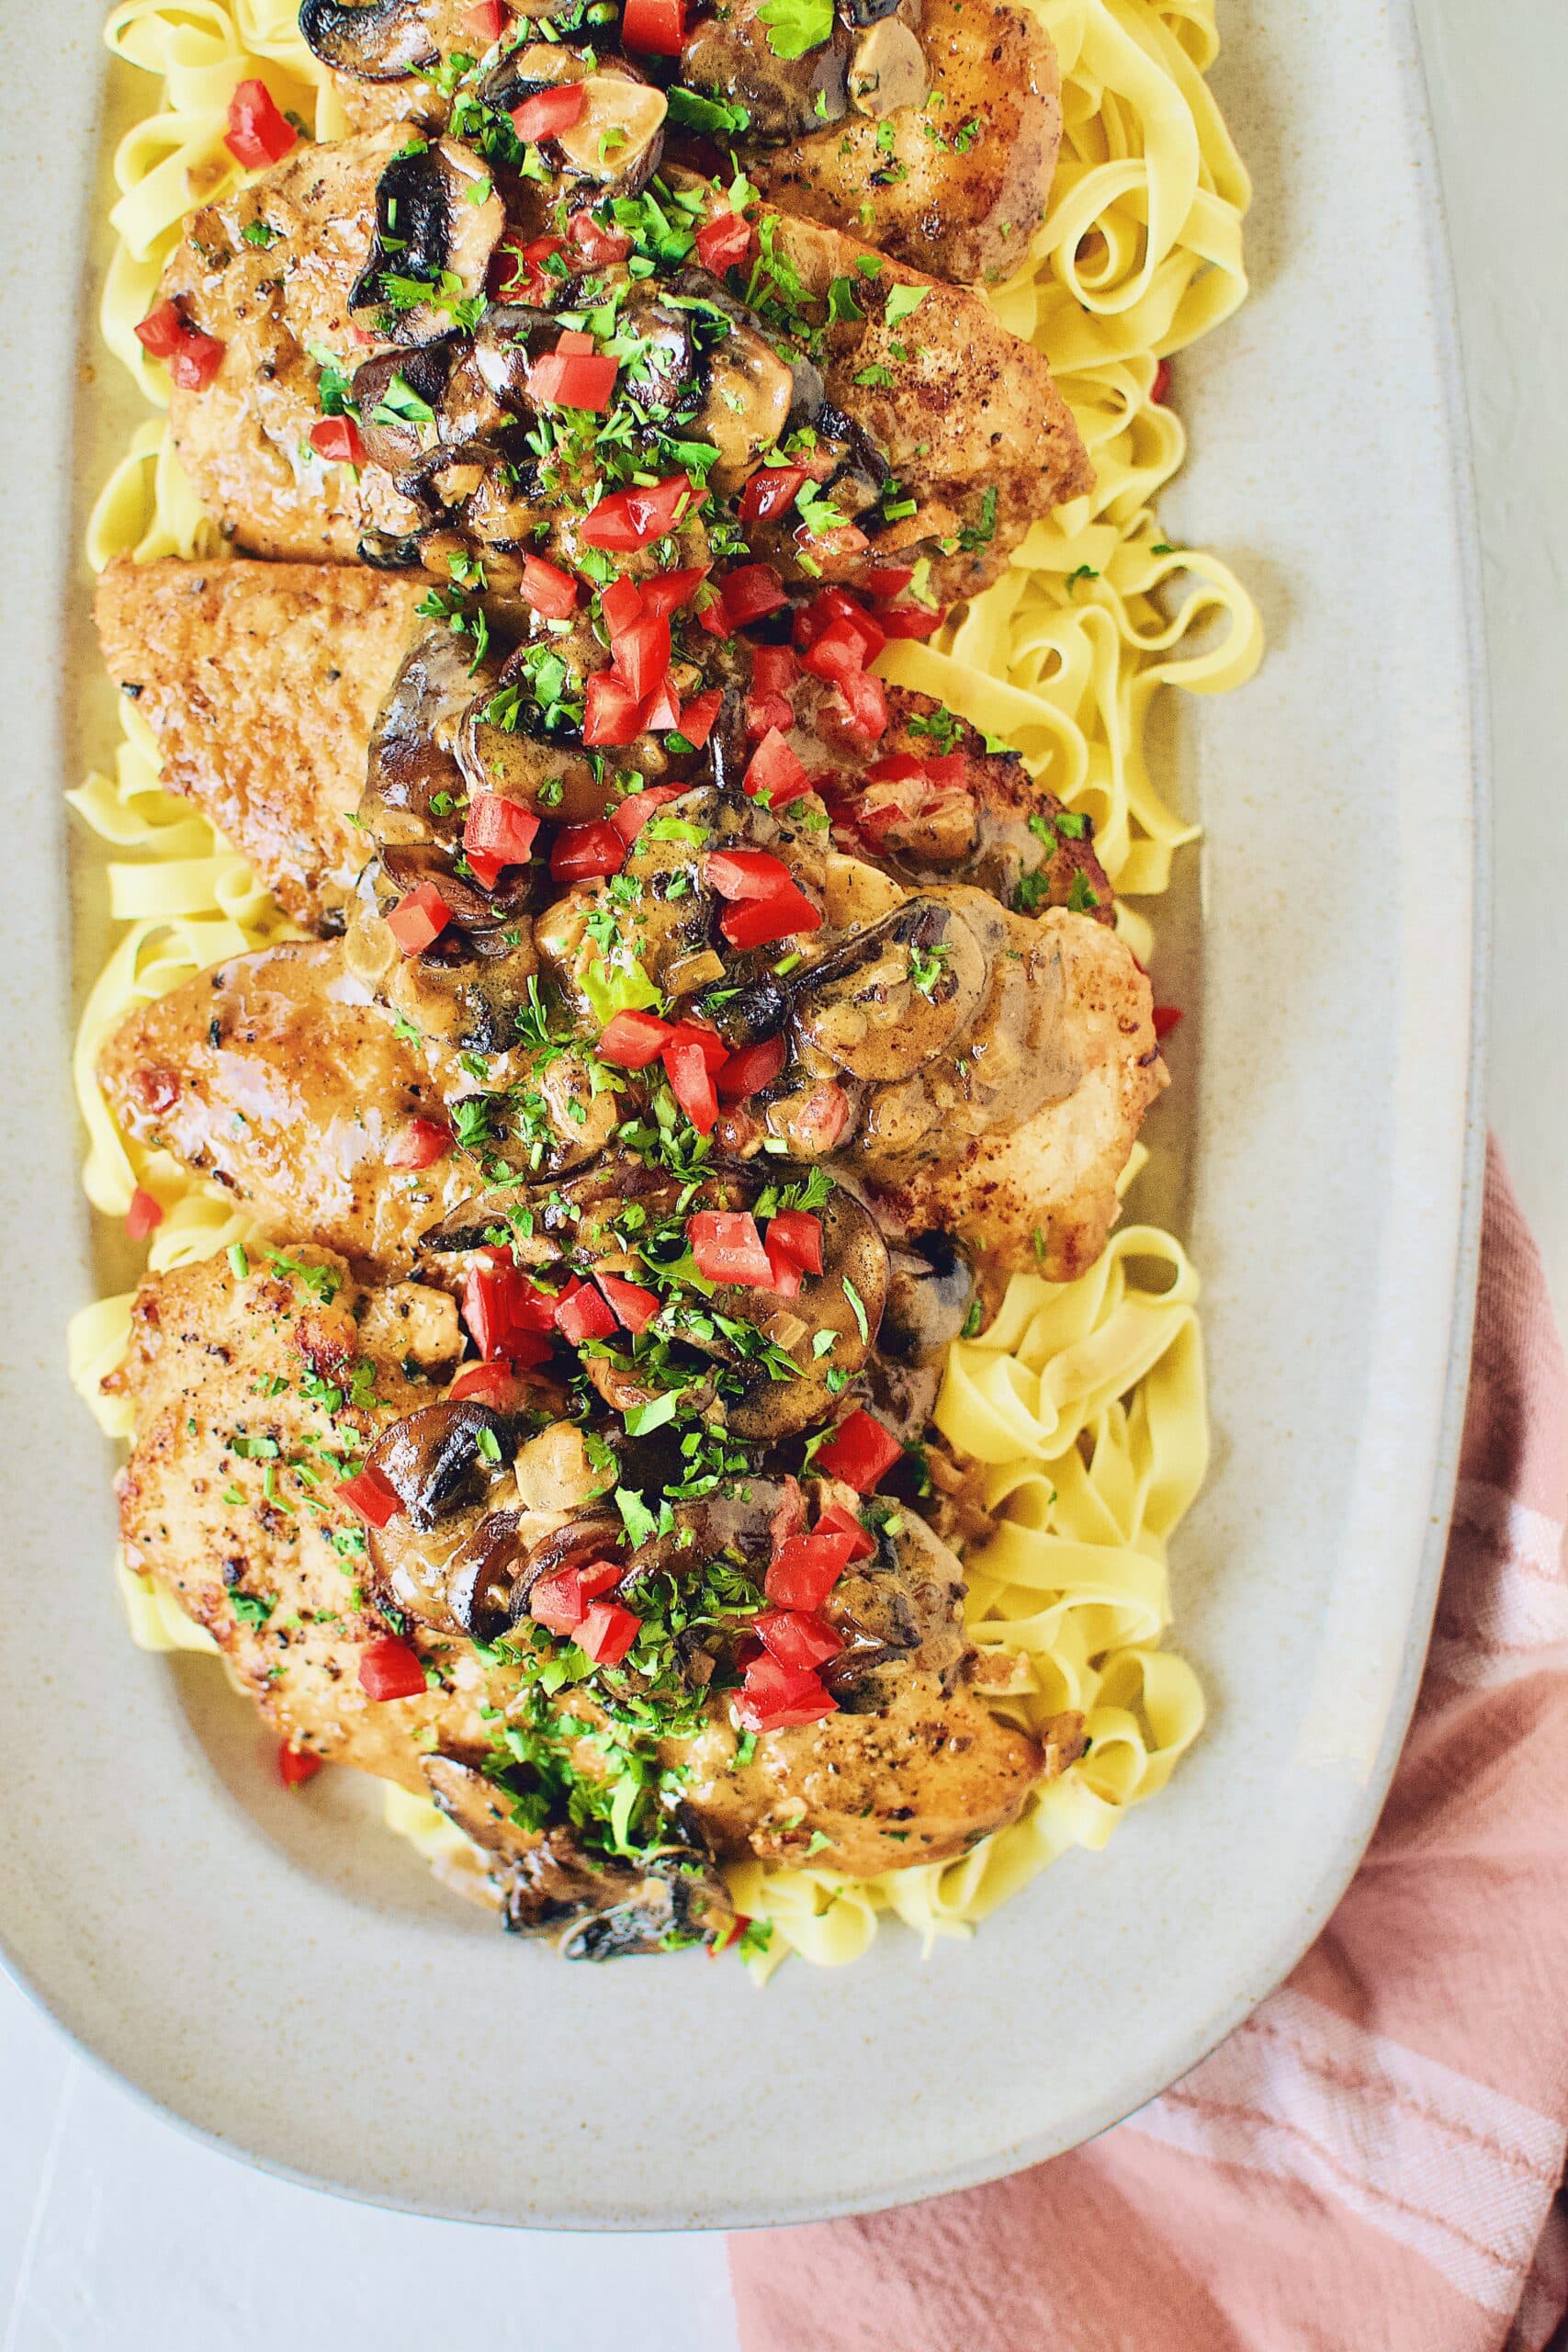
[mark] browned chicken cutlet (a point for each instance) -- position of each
(950, 171)
(965, 417)
(255, 1395)
(958, 184)
(261, 683)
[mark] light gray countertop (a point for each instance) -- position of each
(117, 2234)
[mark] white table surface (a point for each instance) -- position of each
(119, 2235)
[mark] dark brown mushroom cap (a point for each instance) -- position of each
(896, 995)
(786, 97)
(549, 1878)
(377, 40)
(429, 230)
(444, 1559)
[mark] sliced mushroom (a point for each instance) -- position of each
(503, 744)
(438, 221)
(549, 1877)
(414, 743)
(378, 40)
(450, 1556)
(930, 1289)
(895, 997)
(888, 70)
(398, 394)
(504, 342)
(902, 1610)
(732, 54)
(618, 138)
(747, 406)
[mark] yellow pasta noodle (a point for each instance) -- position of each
(1082, 1408)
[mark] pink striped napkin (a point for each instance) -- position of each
(1373, 2159)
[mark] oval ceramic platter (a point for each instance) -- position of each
(288, 1982)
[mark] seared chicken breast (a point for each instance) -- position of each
(259, 1394)
(934, 426)
(936, 135)
(261, 683)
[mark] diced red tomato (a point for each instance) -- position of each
(613, 714)
(390, 1669)
(549, 111)
(771, 492)
(757, 922)
(799, 1234)
(805, 1568)
(419, 917)
(861, 1452)
(336, 438)
(375, 1497)
(420, 1143)
(641, 653)
(774, 673)
(772, 773)
(667, 591)
(698, 716)
(607, 1632)
(884, 580)
(257, 133)
(551, 592)
(821, 1117)
(745, 873)
(796, 1639)
(690, 1083)
(487, 22)
(582, 851)
(495, 1384)
(1166, 1018)
(835, 608)
(896, 768)
(1159, 390)
(621, 604)
(662, 712)
(599, 246)
(297, 1765)
(197, 362)
(143, 1217)
(912, 620)
(786, 1274)
(635, 518)
(633, 1306)
(708, 1042)
(711, 615)
(658, 27)
(509, 1317)
(728, 1247)
(194, 358)
(865, 705)
(750, 1069)
(496, 833)
(162, 331)
(835, 546)
(632, 1040)
(834, 1519)
(561, 1601)
(725, 241)
(750, 593)
(630, 815)
(584, 379)
(838, 653)
(583, 1312)
(517, 274)
(775, 1697)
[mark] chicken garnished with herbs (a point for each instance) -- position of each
(931, 125)
(697, 1030)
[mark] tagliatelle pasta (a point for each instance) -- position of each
(1082, 1405)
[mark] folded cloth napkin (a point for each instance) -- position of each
(1371, 2164)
